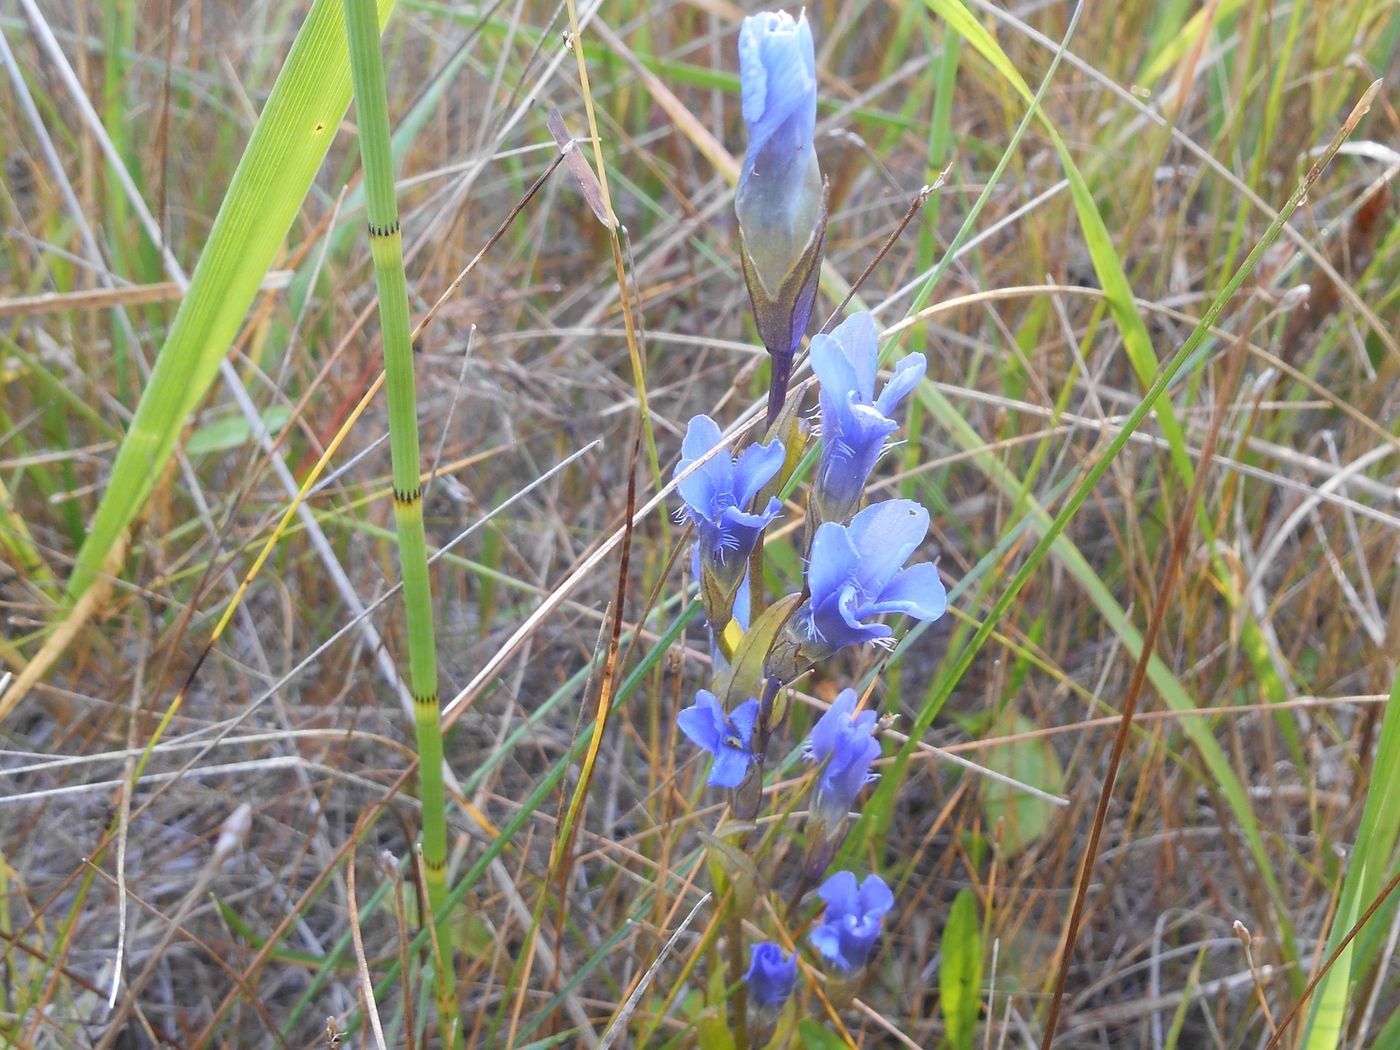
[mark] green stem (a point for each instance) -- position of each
(386, 247)
(739, 994)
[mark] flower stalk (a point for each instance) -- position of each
(386, 248)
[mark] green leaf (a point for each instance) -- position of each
(288, 144)
(746, 669)
(813, 1035)
(1032, 761)
(233, 431)
(960, 972)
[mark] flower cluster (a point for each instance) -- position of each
(858, 572)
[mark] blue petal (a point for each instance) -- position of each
(729, 768)
(884, 535)
(742, 602)
(826, 938)
(743, 718)
(754, 468)
(834, 561)
(753, 74)
(859, 337)
(713, 483)
(841, 896)
(822, 740)
(838, 625)
(850, 607)
(916, 591)
(833, 368)
(771, 974)
(858, 936)
(848, 772)
(876, 898)
(906, 377)
(777, 74)
(703, 722)
(745, 520)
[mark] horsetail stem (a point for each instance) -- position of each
(386, 247)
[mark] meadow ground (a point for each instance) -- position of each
(1249, 527)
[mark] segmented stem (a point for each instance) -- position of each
(386, 247)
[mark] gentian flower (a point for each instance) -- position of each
(853, 919)
(844, 744)
(856, 572)
(727, 737)
(780, 201)
(855, 423)
(771, 974)
(717, 496)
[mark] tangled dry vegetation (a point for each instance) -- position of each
(231, 928)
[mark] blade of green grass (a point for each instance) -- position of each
(287, 146)
(1367, 870)
(1107, 263)
(1052, 539)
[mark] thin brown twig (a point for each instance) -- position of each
(1180, 535)
(1159, 609)
(920, 199)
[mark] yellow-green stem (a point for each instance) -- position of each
(386, 247)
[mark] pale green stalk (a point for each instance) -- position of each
(386, 246)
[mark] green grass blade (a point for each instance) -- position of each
(287, 146)
(1369, 868)
(1107, 263)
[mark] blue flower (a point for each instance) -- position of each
(779, 196)
(856, 572)
(844, 743)
(771, 974)
(727, 737)
(855, 423)
(853, 919)
(717, 496)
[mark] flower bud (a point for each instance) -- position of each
(771, 975)
(781, 202)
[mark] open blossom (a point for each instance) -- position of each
(726, 737)
(856, 573)
(844, 745)
(853, 920)
(855, 423)
(718, 494)
(771, 974)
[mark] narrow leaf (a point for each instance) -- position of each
(288, 144)
(960, 972)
